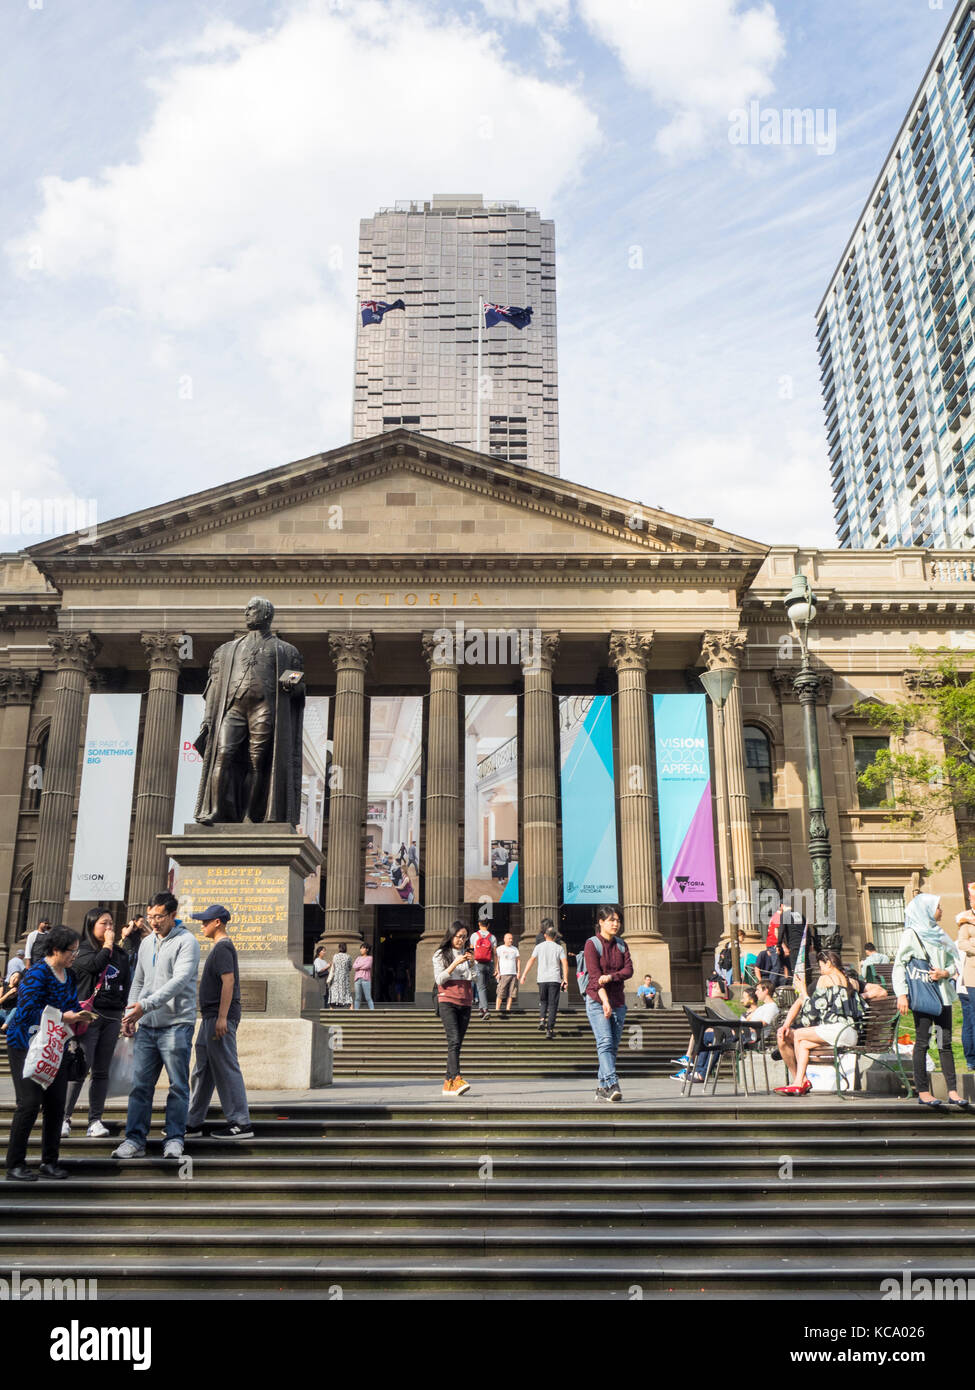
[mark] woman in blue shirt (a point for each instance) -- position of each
(48, 982)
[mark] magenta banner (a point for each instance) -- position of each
(684, 799)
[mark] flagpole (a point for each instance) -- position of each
(477, 389)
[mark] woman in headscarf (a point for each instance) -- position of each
(923, 938)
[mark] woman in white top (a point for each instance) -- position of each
(923, 939)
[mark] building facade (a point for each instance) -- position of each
(418, 369)
(627, 602)
(896, 345)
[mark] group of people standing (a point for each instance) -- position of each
(605, 967)
(346, 982)
(137, 991)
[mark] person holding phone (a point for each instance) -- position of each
(48, 982)
(102, 971)
(454, 973)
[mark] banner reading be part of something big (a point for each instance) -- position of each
(684, 798)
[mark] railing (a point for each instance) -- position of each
(502, 757)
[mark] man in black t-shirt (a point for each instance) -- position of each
(216, 1063)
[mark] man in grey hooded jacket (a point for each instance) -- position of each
(162, 1000)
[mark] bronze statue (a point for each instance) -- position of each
(250, 741)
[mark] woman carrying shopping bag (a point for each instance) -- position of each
(102, 970)
(926, 965)
(48, 983)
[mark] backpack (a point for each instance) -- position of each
(582, 974)
(39, 949)
(724, 960)
(482, 947)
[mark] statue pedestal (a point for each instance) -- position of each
(257, 872)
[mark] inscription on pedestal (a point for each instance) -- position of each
(257, 899)
(253, 996)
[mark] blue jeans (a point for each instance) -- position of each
(484, 969)
(607, 1032)
(363, 990)
(156, 1048)
(967, 1002)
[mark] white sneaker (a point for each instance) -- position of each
(173, 1148)
(66, 1130)
(129, 1150)
(96, 1130)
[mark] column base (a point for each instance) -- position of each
(284, 1054)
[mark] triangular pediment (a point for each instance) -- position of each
(396, 494)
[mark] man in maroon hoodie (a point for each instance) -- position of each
(608, 966)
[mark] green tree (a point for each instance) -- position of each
(938, 791)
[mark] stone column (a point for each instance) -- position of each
(724, 649)
(350, 652)
(16, 696)
(440, 856)
(629, 655)
(74, 654)
(539, 861)
(157, 770)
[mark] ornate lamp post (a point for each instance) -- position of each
(719, 684)
(800, 605)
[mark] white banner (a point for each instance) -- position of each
(101, 843)
(188, 767)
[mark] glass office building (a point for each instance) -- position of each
(895, 327)
(418, 369)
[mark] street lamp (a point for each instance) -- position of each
(800, 605)
(719, 684)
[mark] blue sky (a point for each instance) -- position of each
(182, 185)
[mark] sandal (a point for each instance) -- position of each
(932, 1104)
(794, 1090)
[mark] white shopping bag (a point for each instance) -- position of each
(122, 1070)
(43, 1060)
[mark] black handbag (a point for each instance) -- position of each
(75, 1063)
(436, 1002)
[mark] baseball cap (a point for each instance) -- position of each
(209, 913)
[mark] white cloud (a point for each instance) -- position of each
(29, 467)
(528, 11)
(698, 59)
(262, 152)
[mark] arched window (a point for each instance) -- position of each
(23, 905)
(769, 898)
(758, 767)
(35, 769)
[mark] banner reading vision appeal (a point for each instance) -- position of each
(588, 799)
(101, 841)
(684, 798)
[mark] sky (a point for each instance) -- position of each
(182, 185)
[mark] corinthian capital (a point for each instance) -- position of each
(76, 650)
(723, 649)
(440, 649)
(540, 652)
(630, 650)
(162, 650)
(350, 651)
(17, 687)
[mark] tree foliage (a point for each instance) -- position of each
(936, 785)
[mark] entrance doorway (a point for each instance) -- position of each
(398, 929)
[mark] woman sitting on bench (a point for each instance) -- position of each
(827, 1017)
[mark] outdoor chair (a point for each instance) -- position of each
(722, 1045)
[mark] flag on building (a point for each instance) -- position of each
(373, 309)
(506, 313)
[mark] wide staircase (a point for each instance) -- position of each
(408, 1043)
(655, 1200)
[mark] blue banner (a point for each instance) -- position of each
(589, 873)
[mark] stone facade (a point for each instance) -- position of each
(364, 552)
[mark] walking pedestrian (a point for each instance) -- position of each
(48, 982)
(102, 971)
(606, 967)
(485, 960)
(217, 1064)
(339, 979)
(792, 928)
(923, 944)
(362, 970)
(34, 941)
(163, 994)
(453, 970)
(507, 976)
(553, 977)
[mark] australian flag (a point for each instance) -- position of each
(506, 313)
(373, 309)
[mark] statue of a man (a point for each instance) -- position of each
(250, 741)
